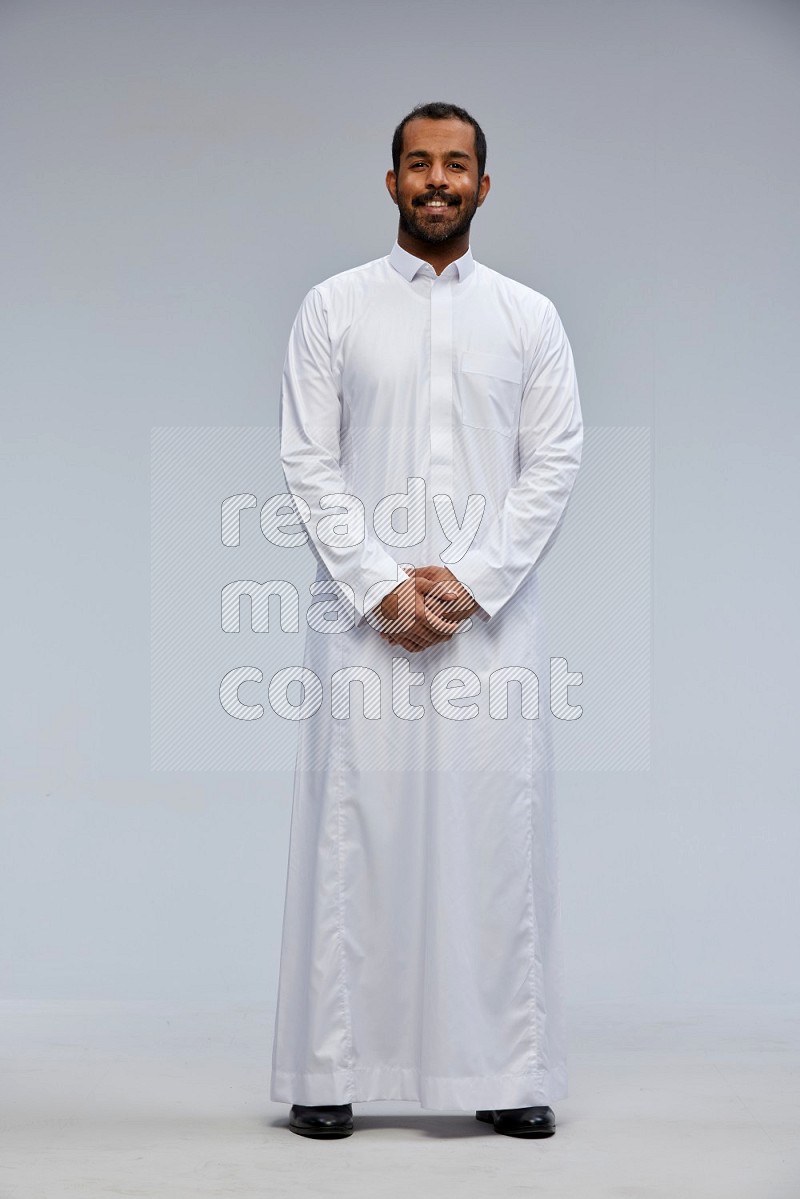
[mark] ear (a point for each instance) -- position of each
(483, 189)
(391, 185)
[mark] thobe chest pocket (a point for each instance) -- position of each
(490, 389)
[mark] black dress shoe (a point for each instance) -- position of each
(521, 1121)
(325, 1120)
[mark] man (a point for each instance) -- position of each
(421, 953)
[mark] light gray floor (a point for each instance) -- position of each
(144, 1099)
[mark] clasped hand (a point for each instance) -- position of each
(424, 609)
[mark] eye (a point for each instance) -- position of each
(460, 165)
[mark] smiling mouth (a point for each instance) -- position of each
(436, 205)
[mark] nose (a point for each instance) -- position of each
(437, 178)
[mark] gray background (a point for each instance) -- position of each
(175, 177)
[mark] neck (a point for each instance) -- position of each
(440, 254)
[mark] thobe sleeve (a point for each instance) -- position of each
(550, 444)
(310, 422)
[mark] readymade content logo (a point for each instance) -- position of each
(200, 524)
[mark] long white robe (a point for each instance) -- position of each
(421, 955)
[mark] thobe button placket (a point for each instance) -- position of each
(441, 400)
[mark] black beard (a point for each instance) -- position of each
(435, 233)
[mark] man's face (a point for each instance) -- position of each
(437, 189)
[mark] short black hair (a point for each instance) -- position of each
(437, 111)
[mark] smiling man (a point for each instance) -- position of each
(420, 955)
(438, 187)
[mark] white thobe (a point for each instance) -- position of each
(421, 955)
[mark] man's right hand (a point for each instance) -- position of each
(403, 617)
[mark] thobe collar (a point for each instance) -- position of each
(409, 265)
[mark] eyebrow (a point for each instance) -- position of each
(426, 154)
